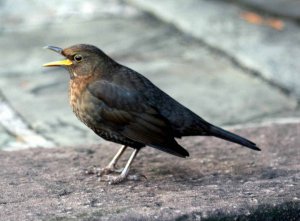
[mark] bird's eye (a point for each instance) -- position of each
(78, 57)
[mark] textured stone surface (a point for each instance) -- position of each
(4, 137)
(266, 51)
(18, 129)
(287, 8)
(220, 181)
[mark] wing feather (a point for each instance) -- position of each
(129, 113)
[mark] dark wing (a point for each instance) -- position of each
(128, 113)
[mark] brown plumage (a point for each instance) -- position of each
(122, 106)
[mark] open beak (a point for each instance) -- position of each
(65, 62)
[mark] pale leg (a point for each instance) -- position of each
(111, 167)
(123, 175)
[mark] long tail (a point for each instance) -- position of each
(226, 135)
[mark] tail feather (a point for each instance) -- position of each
(226, 135)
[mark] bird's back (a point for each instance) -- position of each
(183, 121)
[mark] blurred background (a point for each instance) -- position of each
(231, 62)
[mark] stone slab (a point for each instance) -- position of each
(5, 138)
(16, 128)
(266, 51)
(220, 181)
(287, 8)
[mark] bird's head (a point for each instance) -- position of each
(81, 60)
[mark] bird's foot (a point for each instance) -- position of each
(108, 170)
(102, 171)
(120, 178)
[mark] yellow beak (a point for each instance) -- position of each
(65, 62)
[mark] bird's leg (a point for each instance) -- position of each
(111, 167)
(123, 175)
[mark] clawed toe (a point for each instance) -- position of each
(102, 171)
(113, 179)
(108, 170)
(105, 171)
(111, 168)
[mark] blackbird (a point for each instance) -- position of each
(123, 106)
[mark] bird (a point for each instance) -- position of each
(122, 106)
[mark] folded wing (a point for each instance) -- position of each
(129, 113)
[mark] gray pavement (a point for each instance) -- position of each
(193, 64)
(265, 51)
(286, 8)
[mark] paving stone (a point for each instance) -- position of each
(30, 15)
(220, 181)
(287, 8)
(271, 53)
(4, 137)
(21, 134)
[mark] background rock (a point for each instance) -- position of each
(286, 8)
(265, 51)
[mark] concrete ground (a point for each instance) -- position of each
(231, 62)
(220, 181)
